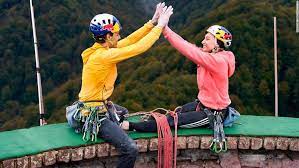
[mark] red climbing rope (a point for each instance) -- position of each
(164, 141)
(175, 119)
(166, 147)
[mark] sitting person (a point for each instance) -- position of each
(214, 67)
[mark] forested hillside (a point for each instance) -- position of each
(159, 78)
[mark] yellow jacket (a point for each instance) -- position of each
(99, 63)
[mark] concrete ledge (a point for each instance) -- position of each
(185, 143)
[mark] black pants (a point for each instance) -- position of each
(112, 133)
(188, 117)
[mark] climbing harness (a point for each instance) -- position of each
(92, 122)
(112, 113)
(87, 119)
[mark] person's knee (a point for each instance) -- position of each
(133, 149)
(121, 110)
(129, 148)
(125, 111)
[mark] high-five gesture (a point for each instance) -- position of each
(164, 16)
(158, 11)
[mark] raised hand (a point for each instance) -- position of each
(164, 16)
(157, 13)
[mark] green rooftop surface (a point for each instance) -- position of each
(22, 142)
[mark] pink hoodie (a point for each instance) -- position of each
(213, 70)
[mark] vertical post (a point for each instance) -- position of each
(275, 68)
(297, 17)
(39, 84)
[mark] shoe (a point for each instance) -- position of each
(124, 125)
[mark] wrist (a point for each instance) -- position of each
(160, 25)
(153, 21)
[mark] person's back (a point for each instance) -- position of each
(98, 74)
(213, 80)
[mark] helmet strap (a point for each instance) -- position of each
(109, 41)
(98, 39)
(216, 48)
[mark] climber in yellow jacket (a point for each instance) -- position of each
(100, 70)
(99, 61)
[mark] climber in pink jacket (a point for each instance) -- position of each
(214, 67)
(214, 64)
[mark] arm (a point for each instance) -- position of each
(192, 52)
(136, 36)
(119, 54)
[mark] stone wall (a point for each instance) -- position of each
(193, 152)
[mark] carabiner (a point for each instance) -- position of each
(216, 147)
(224, 149)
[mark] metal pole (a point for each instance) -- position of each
(39, 83)
(275, 68)
(297, 17)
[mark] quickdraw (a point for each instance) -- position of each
(90, 119)
(92, 124)
(218, 143)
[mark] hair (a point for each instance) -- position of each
(101, 38)
(221, 44)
